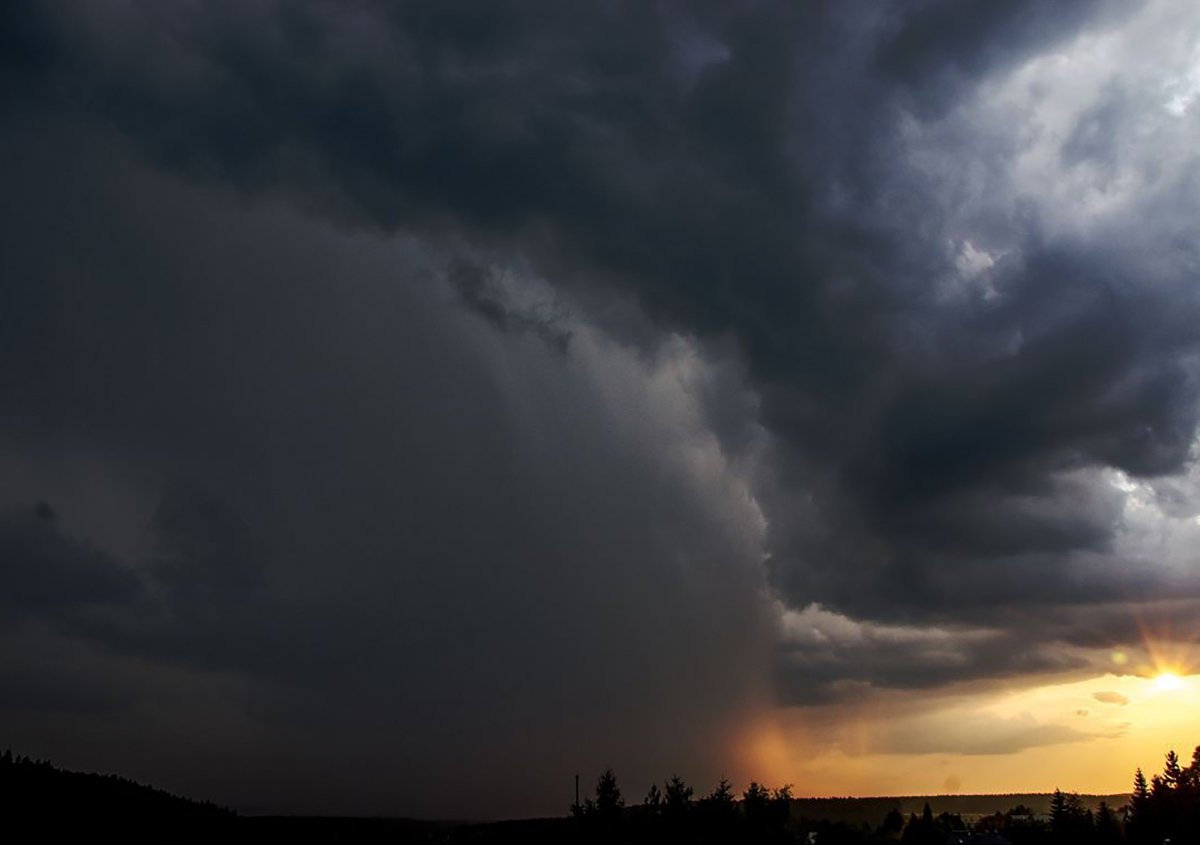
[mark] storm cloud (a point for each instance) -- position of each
(456, 378)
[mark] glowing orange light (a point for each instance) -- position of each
(1170, 652)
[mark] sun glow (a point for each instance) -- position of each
(1090, 732)
(1168, 682)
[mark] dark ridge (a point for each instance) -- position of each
(37, 791)
(872, 808)
(396, 831)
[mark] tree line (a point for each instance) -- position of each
(37, 791)
(1163, 809)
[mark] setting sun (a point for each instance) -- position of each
(1168, 682)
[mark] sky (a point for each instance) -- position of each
(405, 407)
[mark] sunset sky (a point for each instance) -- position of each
(407, 406)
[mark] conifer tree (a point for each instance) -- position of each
(1108, 827)
(1172, 771)
(608, 797)
(653, 800)
(678, 797)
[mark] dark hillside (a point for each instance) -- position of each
(34, 791)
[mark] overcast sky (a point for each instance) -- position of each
(407, 406)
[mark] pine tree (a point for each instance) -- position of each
(608, 797)
(1172, 772)
(1058, 812)
(720, 800)
(893, 824)
(1070, 821)
(1139, 824)
(653, 800)
(723, 794)
(1108, 828)
(1191, 775)
(756, 802)
(718, 809)
(781, 806)
(1141, 792)
(678, 797)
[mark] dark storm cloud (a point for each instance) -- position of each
(206, 557)
(830, 669)
(342, 508)
(938, 47)
(953, 384)
(45, 571)
(481, 292)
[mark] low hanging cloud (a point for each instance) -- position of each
(979, 734)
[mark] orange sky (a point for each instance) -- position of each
(1083, 736)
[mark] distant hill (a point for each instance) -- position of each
(44, 799)
(34, 791)
(872, 810)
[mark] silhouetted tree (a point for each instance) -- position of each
(893, 825)
(949, 822)
(1137, 813)
(1108, 826)
(722, 796)
(677, 797)
(781, 806)
(608, 798)
(1172, 772)
(718, 813)
(923, 830)
(653, 800)
(756, 805)
(755, 798)
(1167, 808)
(719, 802)
(57, 800)
(1190, 797)
(1070, 822)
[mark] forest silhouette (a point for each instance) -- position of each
(1162, 809)
(1165, 810)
